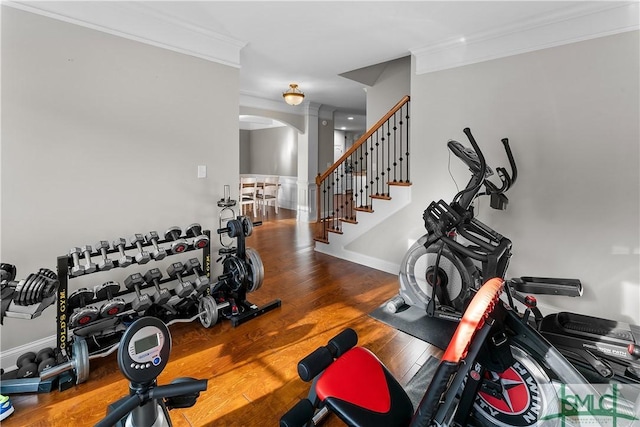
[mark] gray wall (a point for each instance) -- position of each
(245, 153)
(571, 114)
(325, 145)
(393, 84)
(269, 151)
(101, 138)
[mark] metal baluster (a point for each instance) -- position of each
(395, 128)
(407, 107)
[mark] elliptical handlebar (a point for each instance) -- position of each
(512, 163)
(466, 196)
(160, 392)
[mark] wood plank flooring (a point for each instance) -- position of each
(252, 368)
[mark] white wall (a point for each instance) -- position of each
(101, 138)
(572, 116)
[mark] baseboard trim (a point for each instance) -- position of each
(9, 357)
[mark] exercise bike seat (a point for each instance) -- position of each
(360, 390)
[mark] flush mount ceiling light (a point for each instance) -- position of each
(293, 96)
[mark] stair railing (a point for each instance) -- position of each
(378, 159)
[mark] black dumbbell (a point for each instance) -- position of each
(184, 288)
(142, 301)
(27, 368)
(142, 257)
(158, 252)
(160, 295)
(102, 247)
(192, 266)
(125, 260)
(199, 240)
(45, 359)
(173, 235)
(82, 314)
(113, 306)
(77, 269)
(36, 287)
(89, 267)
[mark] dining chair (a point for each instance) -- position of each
(268, 194)
(248, 194)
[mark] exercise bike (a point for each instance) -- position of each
(497, 371)
(442, 269)
(143, 353)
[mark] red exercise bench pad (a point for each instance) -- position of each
(361, 391)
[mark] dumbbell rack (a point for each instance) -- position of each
(64, 266)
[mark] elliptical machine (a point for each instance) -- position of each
(439, 274)
(143, 354)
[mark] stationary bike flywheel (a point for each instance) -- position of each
(418, 273)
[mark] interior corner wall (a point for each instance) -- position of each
(101, 138)
(393, 84)
(571, 114)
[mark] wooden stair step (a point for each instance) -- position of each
(364, 209)
(380, 196)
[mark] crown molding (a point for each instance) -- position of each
(142, 23)
(578, 22)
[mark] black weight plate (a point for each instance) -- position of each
(46, 364)
(30, 370)
(247, 226)
(25, 358)
(32, 298)
(235, 228)
(27, 289)
(28, 298)
(22, 296)
(45, 353)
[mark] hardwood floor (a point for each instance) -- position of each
(252, 368)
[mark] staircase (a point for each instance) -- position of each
(366, 185)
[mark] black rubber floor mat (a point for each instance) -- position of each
(417, 385)
(415, 322)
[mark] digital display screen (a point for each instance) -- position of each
(146, 343)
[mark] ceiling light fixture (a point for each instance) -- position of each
(293, 96)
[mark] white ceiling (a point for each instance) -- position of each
(313, 42)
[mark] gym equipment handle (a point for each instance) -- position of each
(171, 390)
(180, 389)
(116, 415)
(54, 371)
(467, 195)
(512, 162)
